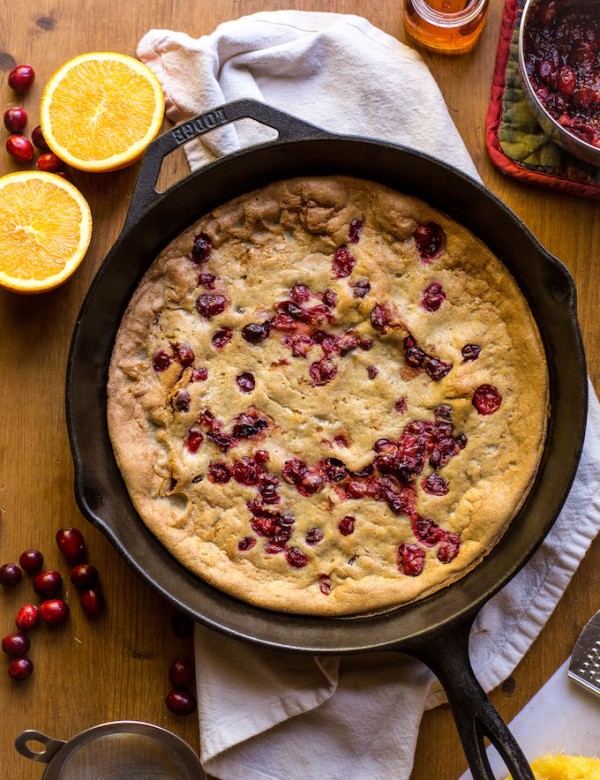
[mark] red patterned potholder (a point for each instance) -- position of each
(516, 143)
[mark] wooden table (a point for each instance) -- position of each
(88, 672)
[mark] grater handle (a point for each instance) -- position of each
(51, 746)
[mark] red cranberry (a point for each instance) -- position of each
(199, 375)
(27, 617)
(433, 297)
(181, 401)
(296, 558)
(161, 360)
(247, 543)
(329, 298)
(381, 317)
(20, 148)
(21, 78)
(47, 583)
(193, 440)
(435, 485)
(38, 139)
(15, 645)
(360, 288)
(246, 382)
(20, 668)
(293, 470)
(300, 294)
(218, 473)
(182, 625)
(430, 240)
(414, 355)
(92, 601)
(255, 332)
(487, 399)
(346, 525)
(50, 162)
(181, 672)
(400, 405)
(437, 369)
(313, 536)
(343, 262)
(15, 119)
(470, 352)
(201, 249)
(54, 611)
(426, 531)
(84, 576)
(372, 371)
(31, 561)
(322, 371)
(567, 80)
(449, 548)
(222, 337)
(211, 304)
(325, 584)
(356, 227)
(71, 543)
(207, 280)
(10, 575)
(180, 702)
(411, 559)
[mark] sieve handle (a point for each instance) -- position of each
(51, 746)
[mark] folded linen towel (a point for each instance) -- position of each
(270, 715)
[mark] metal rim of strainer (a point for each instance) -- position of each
(57, 752)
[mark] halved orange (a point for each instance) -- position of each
(45, 230)
(99, 111)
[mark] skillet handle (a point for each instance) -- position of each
(288, 128)
(447, 655)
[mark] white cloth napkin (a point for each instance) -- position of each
(270, 715)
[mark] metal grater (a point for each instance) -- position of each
(584, 668)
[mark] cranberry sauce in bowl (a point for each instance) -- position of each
(559, 59)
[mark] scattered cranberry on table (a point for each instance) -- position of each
(84, 576)
(50, 162)
(15, 645)
(180, 702)
(27, 617)
(10, 575)
(54, 611)
(31, 560)
(20, 668)
(47, 583)
(71, 544)
(92, 601)
(15, 119)
(19, 148)
(38, 139)
(21, 78)
(181, 672)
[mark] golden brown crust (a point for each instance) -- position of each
(262, 244)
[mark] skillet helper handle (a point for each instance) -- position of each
(288, 128)
(447, 655)
(50, 746)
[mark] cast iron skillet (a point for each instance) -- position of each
(435, 629)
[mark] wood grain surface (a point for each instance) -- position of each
(91, 671)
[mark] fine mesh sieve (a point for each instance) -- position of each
(120, 750)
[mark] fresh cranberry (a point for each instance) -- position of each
(567, 80)
(201, 249)
(181, 672)
(411, 559)
(437, 369)
(180, 702)
(182, 625)
(222, 337)
(15, 645)
(449, 548)
(430, 240)
(355, 230)
(470, 352)
(360, 288)
(333, 469)
(346, 525)
(272, 525)
(381, 317)
(426, 531)
(19, 148)
(31, 561)
(10, 575)
(54, 611)
(218, 473)
(15, 119)
(343, 262)
(325, 584)
(329, 298)
(487, 399)
(461, 441)
(372, 371)
(21, 78)
(50, 162)
(247, 471)
(47, 583)
(181, 401)
(246, 382)
(84, 576)
(27, 617)
(71, 543)
(207, 280)
(414, 355)
(296, 558)
(322, 371)
(248, 425)
(311, 482)
(20, 668)
(435, 485)
(209, 305)
(193, 440)
(247, 543)
(184, 354)
(313, 536)
(92, 601)
(161, 360)
(400, 405)
(300, 294)
(293, 470)
(433, 297)
(38, 139)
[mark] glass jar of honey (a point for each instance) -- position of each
(445, 26)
